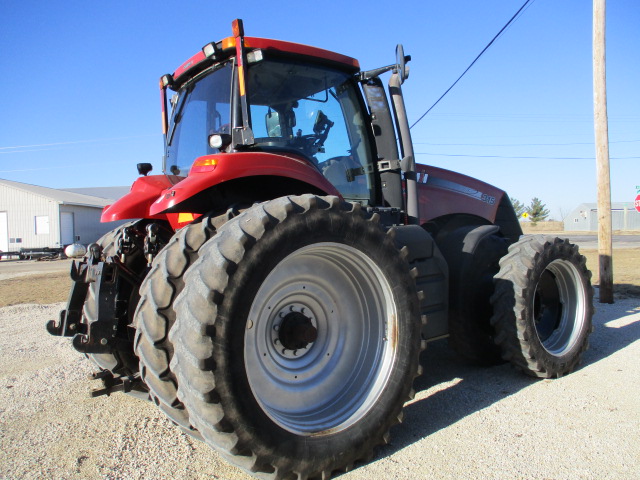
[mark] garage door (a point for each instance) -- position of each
(4, 232)
(66, 228)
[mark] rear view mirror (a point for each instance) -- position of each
(401, 63)
(272, 122)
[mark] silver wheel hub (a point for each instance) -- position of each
(319, 342)
(294, 330)
(559, 307)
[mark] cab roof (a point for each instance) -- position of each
(227, 48)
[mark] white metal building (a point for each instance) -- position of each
(585, 217)
(38, 217)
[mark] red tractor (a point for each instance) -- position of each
(280, 279)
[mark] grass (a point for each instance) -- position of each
(626, 270)
(42, 289)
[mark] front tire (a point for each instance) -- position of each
(297, 338)
(543, 305)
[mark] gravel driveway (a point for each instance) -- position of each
(465, 422)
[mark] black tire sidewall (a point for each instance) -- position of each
(554, 363)
(470, 310)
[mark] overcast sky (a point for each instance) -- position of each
(81, 104)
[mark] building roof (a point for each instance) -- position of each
(614, 206)
(110, 193)
(61, 196)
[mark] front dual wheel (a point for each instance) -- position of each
(543, 306)
(297, 337)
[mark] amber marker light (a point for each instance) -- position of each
(204, 164)
(237, 28)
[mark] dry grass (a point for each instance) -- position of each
(54, 287)
(626, 270)
(42, 289)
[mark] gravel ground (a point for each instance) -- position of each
(465, 422)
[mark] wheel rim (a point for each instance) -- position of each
(559, 307)
(321, 339)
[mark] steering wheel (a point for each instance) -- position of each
(307, 143)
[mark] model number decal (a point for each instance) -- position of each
(488, 199)
(462, 189)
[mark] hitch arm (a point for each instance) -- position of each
(69, 323)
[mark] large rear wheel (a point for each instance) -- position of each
(297, 338)
(543, 304)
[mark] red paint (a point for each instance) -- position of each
(450, 192)
(136, 203)
(638, 203)
(300, 49)
(189, 64)
(231, 166)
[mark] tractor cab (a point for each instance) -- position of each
(299, 103)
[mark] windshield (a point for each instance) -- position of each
(312, 111)
(198, 109)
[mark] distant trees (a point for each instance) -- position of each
(518, 207)
(535, 212)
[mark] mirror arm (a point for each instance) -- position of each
(376, 72)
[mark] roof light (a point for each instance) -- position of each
(166, 80)
(210, 50)
(255, 56)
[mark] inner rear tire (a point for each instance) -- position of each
(543, 305)
(297, 338)
(155, 315)
(473, 253)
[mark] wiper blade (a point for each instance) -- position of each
(178, 113)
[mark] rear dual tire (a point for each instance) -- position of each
(155, 314)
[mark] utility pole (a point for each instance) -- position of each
(605, 250)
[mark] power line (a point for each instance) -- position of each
(474, 61)
(517, 157)
(79, 141)
(515, 144)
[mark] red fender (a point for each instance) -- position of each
(211, 170)
(136, 203)
(443, 192)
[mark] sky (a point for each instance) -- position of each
(81, 106)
